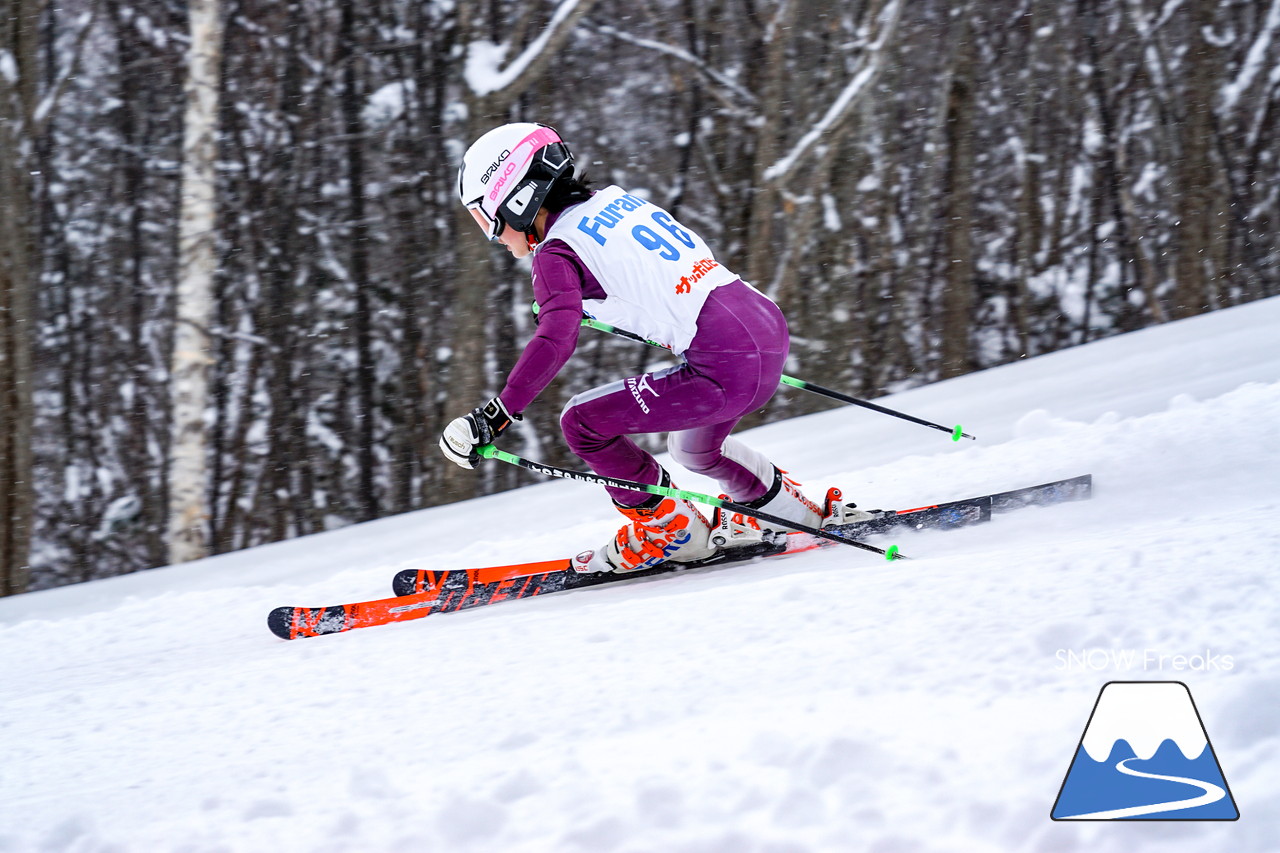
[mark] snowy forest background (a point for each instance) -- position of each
(927, 188)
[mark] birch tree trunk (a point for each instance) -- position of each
(197, 265)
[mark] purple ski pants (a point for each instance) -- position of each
(731, 369)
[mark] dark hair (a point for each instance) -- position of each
(566, 192)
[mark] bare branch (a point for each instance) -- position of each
(721, 80)
(1254, 60)
(45, 109)
(487, 79)
(872, 62)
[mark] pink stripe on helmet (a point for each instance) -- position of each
(516, 167)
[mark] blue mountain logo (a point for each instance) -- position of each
(1145, 755)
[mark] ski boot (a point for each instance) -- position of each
(785, 500)
(661, 529)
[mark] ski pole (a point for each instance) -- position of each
(488, 451)
(956, 433)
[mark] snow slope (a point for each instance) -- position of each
(829, 701)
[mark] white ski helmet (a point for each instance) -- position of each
(507, 173)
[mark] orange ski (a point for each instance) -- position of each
(460, 589)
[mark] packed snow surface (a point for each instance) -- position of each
(825, 701)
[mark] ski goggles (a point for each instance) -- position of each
(507, 172)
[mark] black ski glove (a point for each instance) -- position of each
(481, 427)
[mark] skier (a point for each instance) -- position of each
(628, 262)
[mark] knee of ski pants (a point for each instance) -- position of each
(688, 451)
(705, 452)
